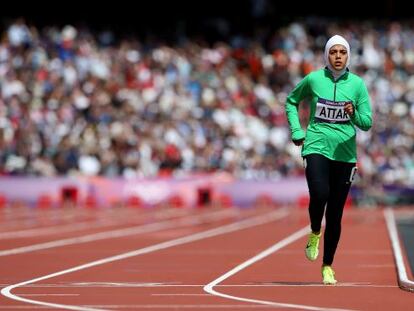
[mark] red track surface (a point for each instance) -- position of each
(177, 261)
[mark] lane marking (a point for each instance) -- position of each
(403, 280)
(35, 295)
(162, 285)
(139, 307)
(55, 229)
(209, 288)
(117, 233)
(37, 218)
(244, 224)
(103, 221)
(182, 306)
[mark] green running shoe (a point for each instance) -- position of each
(312, 247)
(328, 275)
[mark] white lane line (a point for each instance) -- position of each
(181, 306)
(32, 223)
(37, 218)
(55, 229)
(20, 307)
(98, 222)
(34, 217)
(209, 288)
(247, 223)
(140, 307)
(118, 233)
(41, 295)
(101, 222)
(161, 285)
(403, 280)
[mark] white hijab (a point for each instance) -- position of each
(334, 40)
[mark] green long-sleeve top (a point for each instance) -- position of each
(331, 131)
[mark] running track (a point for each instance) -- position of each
(196, 259)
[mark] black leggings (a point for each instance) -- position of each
(328, 182)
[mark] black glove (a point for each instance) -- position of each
(298, 142)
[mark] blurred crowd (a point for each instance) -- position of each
(75, 102)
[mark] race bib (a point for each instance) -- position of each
(330, 111)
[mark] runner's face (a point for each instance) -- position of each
(338, 56)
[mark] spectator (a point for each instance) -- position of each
(75, 102)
